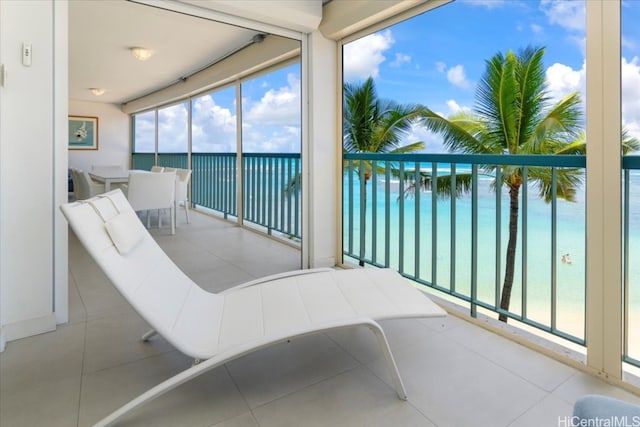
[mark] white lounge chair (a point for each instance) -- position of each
(217, 328)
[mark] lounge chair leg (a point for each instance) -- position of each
(160, 389)
(147, 336)
(173, 219)
(391, 363)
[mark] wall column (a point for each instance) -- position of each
(320, 182)
(603, 190)
(33, 173)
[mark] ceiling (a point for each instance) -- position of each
(101, 34)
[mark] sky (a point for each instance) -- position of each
(435, 59)
(438, 58)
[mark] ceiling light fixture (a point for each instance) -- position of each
(141, 53)
(96, 91)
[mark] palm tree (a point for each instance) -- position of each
(374, 125)
(514, 115)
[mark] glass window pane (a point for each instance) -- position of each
(144, 132)
(213, 128)
(271, 112)
(173, 129)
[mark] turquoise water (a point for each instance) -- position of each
(570, 239)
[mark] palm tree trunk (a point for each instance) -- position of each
(514, 191)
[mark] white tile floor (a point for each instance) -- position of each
(456, 374)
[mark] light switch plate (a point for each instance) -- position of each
(26, 54)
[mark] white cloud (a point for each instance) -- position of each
(536, 29)
(568, 14)
(362, 57)
(630, 74)
(565, 13)
(172, 129)
(280, 139)
(276, 107)
(401, 58)
(454, 107)
(214, 127)
(457, 77)
(628, 43)
(272, 123)
(563, 80)
(145, 133)
(432, 142)
(489, 4)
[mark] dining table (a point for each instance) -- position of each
(110, 176)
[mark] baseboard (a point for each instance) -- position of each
(323, 262)
(26, 328)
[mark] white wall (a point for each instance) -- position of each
(113, 136)
(33, 107)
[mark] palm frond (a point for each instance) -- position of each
(532, 97)
(567, 181)
(496, 98)
(459, 132)
(374, 125)
(629, 143)
(444, 184)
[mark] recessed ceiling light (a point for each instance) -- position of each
(97, 91)
(141, 53)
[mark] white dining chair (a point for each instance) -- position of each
(84, 187)
(157, 169)
(153, 191)
(182, 190)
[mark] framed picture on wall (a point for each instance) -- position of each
(83, 133)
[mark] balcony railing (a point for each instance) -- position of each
(455, 245)
(270, 196)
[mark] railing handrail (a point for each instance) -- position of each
(557, 160)
(630, 162)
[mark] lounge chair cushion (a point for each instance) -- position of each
(125, 232)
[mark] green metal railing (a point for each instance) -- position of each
(452, 245)
(270, 196)
(214, 182)
(143, 161)
(457, 245)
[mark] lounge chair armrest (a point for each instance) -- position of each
(276, 277)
